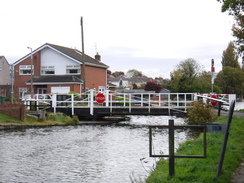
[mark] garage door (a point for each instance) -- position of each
(61, 89)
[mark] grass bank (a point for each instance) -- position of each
(52, 119)
(204, 170)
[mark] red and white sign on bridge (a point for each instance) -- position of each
(100, 98)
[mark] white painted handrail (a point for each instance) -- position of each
(126, 100)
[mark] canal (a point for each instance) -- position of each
(87, 154)
(91, 154)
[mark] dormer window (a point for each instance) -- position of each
(72, 69)
(46, 70)
(25, 69)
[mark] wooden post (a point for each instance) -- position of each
(150, 141)
(222, 154)
(91, 101)
(219, 108)
(72, 105)
(171, 148)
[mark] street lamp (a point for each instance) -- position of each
(12, 82)
(31, 73)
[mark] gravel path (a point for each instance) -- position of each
(238, 175)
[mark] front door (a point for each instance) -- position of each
(42, 90)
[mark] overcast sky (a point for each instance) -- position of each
(149, 36)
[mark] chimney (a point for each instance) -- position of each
(98, 57)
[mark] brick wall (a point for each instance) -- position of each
(17, 111)
(95, 77)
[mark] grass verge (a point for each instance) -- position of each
(204, 170)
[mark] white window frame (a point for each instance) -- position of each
(41, 90)
(101, 89)
(26, 68)
(45, 69)
(72, 67)
(22, 92)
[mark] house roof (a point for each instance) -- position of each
(3, 58)
(133, 80)
(56, 79)
(134, 91)
(71, 53)
(111, 85)
(117, 79)
(139, 79)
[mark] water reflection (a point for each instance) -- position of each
(87, 154)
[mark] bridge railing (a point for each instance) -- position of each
(171, 101)
(151, 99)
(225, 99)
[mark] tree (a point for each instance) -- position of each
(203, 83)
(109, 72)
(152, 86)
(238, 32)
(133, 73)
(182, 79)
(231, 80)
(118, 73)
(230, 57)
(236, 8)
(134, 85)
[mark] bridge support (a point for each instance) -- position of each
(91, 102)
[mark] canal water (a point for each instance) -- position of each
(87, 154)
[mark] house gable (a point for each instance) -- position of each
(59, 62)
(4, 71)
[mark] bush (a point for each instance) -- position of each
(152, 86)
(60, 117)
(200, 112)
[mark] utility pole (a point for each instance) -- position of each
(82, 56)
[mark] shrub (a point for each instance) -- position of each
(60, 117)
(200, 112)
(152, 86)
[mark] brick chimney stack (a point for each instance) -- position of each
(98, 57)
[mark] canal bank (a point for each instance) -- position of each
(106, 121)
(204, 170)
(52, 119)
(16, 126)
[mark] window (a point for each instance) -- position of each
(72, 69)
(42, 90)
(26, 69)
(0, 68)
(47, 70)
(22, 92)
(101, 89)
